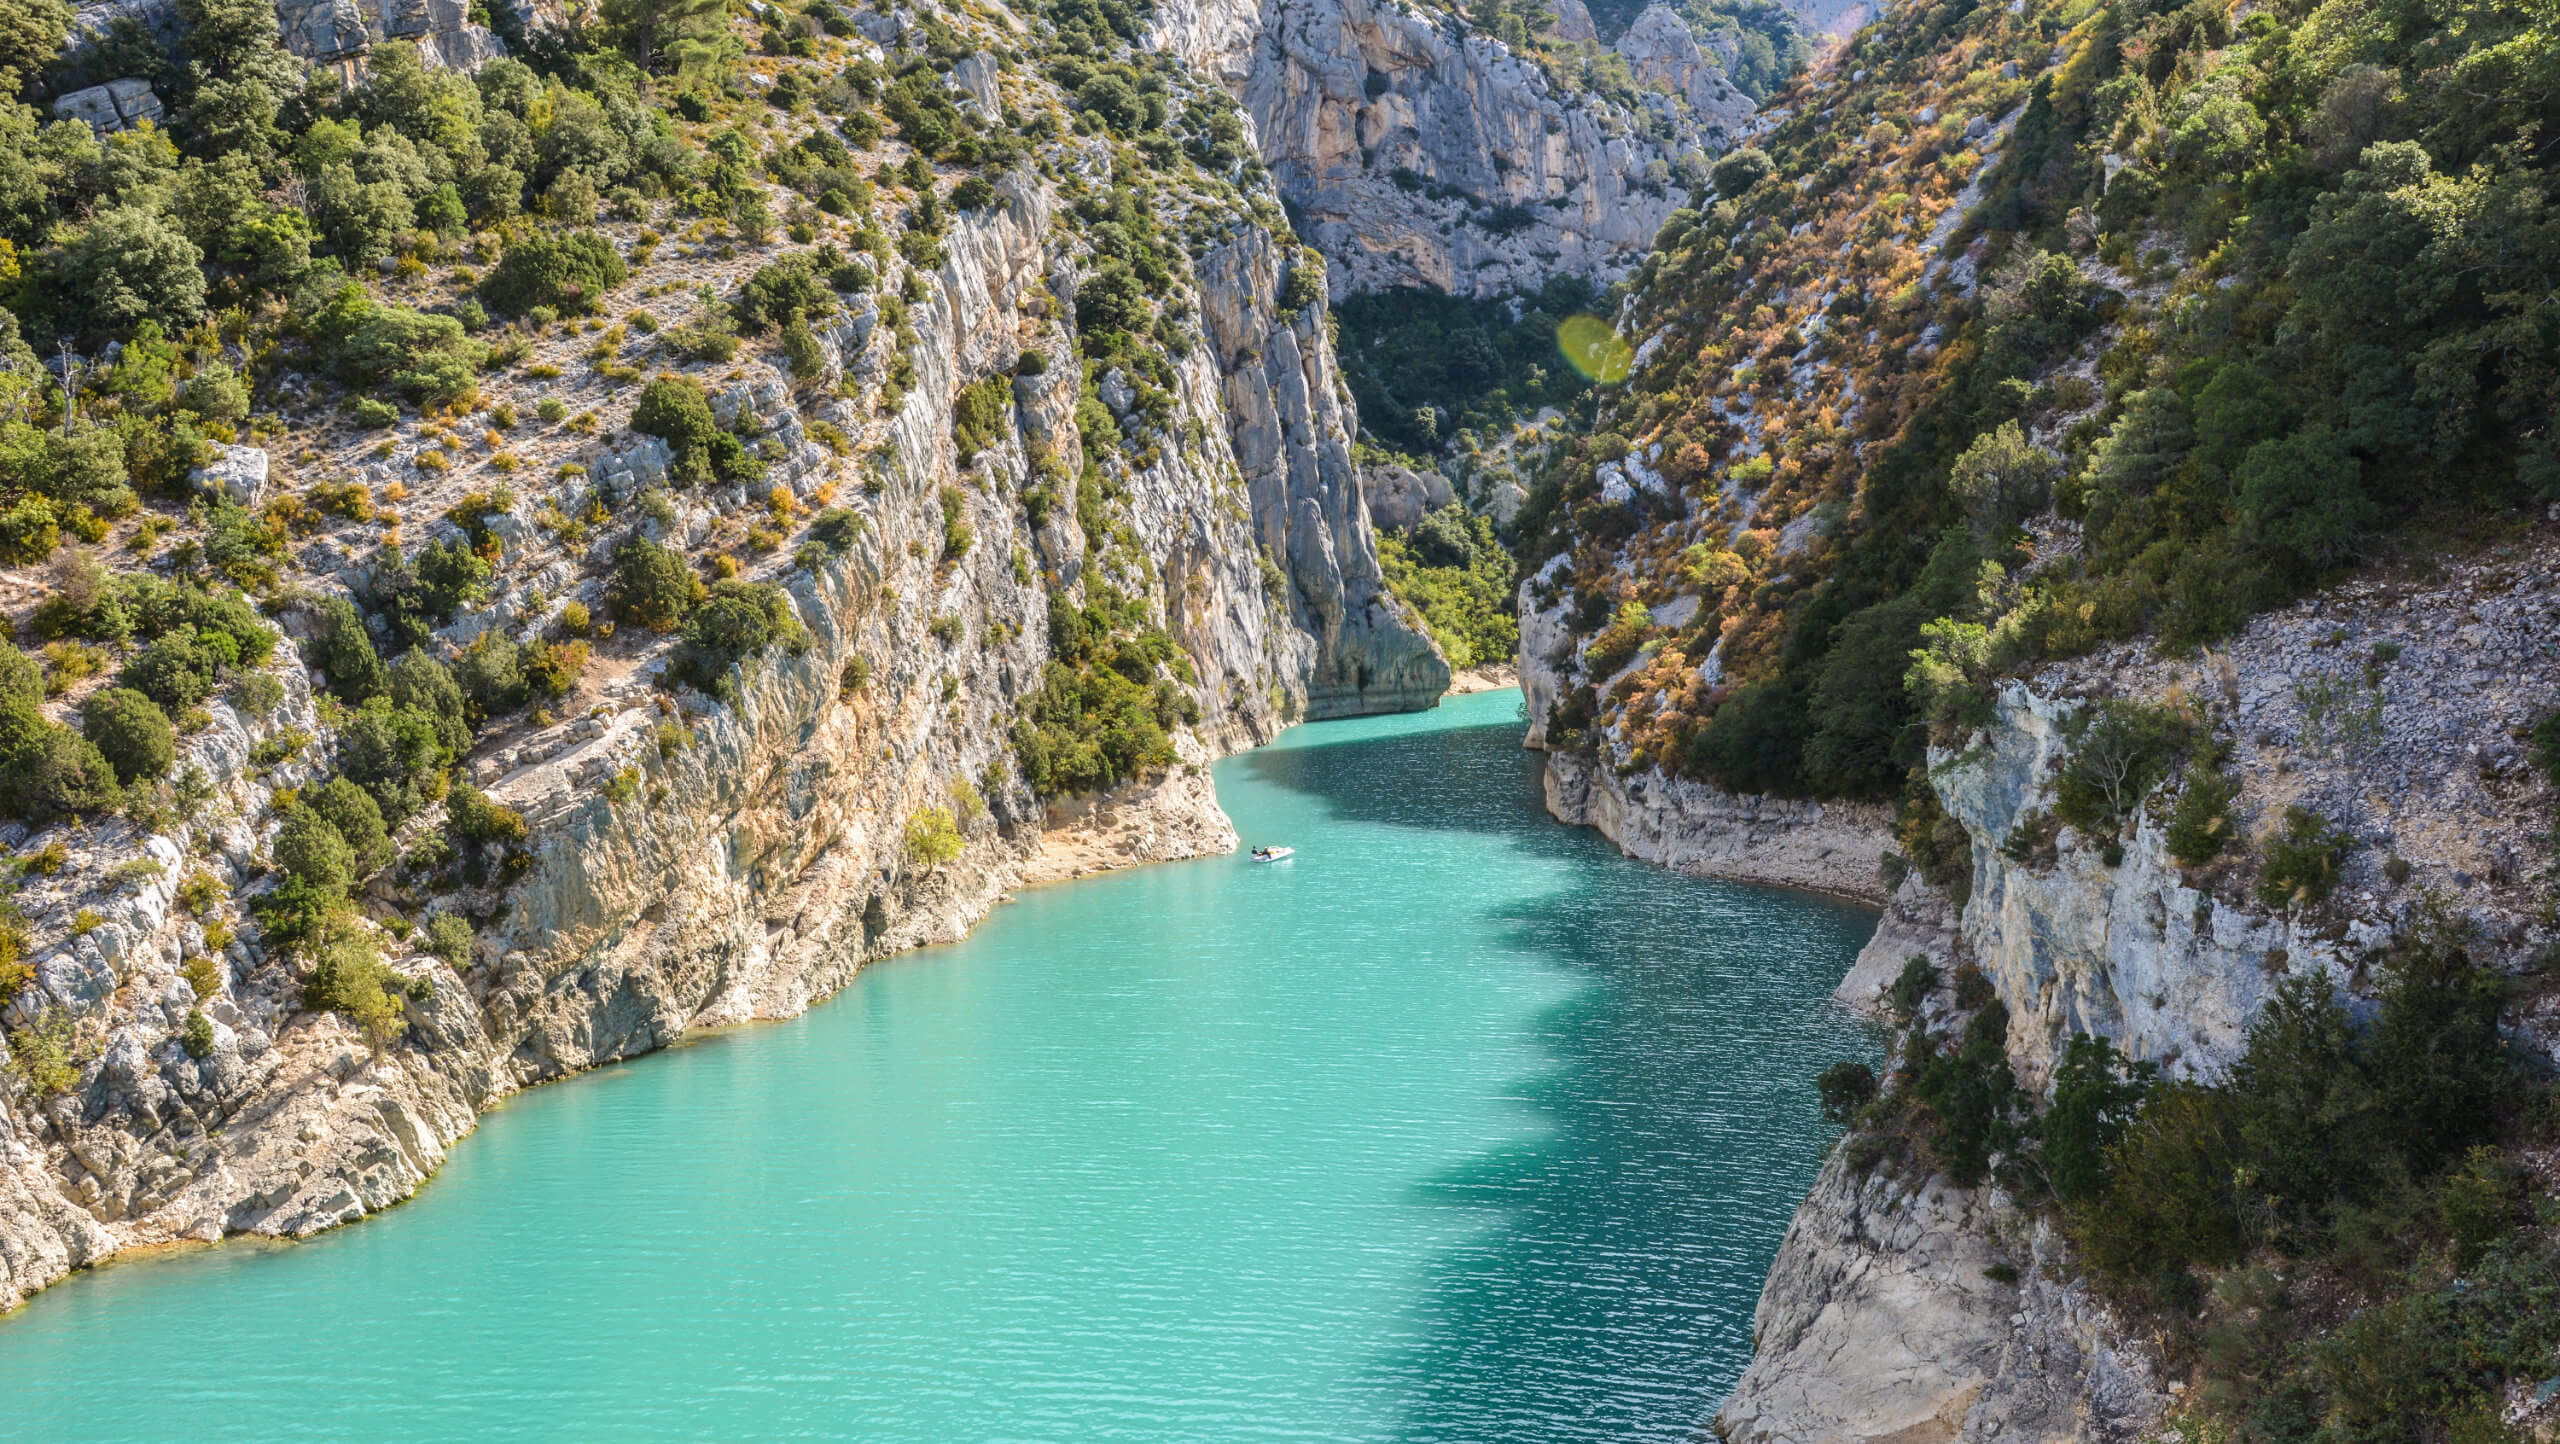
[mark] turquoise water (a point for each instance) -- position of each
(1456, 1126)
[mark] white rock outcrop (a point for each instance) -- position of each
(1417, 153)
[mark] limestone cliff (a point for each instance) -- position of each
(2392, 706)
(690, 861)
(1419, 152)
(1919, 1313)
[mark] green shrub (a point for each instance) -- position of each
(836, 528)
(737, 622)
(677, 410)
(49, 771)
(1846, 1088)
(351, 979)
(569, 272)
(309, 849)
(450, 939)
(1090, 728)
(489, 676)
(981, 416)
(342, 646)
(652, 586)
(197, 1036)
(175, 671)
(2122, 752)
(475, 821)
(933, 838)
(427, 359)
(421, 684)
(1912, 986)
(1462, 581)
(42, 1054)
(2097, 1095)
(2201, 825)
(800, 347)
(782, 289)
(1978, 1108)
(957, 537)
(396, 754)
(357, 819)
(130, 731)
(374, 415)
(1303, 286)
(2303, 861)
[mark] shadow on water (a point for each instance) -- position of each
(1610, 1291)
(1473, 779)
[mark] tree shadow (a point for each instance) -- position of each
(1609, 1291)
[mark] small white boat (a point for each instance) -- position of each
(1273, 854)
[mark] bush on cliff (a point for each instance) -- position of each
(569, 273)
(130, 731)
(652, 586)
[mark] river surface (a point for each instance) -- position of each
(1456, 1126)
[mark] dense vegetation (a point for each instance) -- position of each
(1767, 41)
(1425, 366)
(1105, 708)
(2255, 297)
(1454, 572)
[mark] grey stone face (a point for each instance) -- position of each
(114, 106)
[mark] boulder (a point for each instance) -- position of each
(236, 472)
(1400, 497)
(116, 105)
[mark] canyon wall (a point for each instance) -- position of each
(1415, 151)
(695, 863)
(1902, 1308)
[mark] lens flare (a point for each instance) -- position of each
(1594, 349)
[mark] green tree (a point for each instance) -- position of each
(130, 731)
(342, 646)
(2303, 497)
(31, 35)
(2097, 1095)
(358, 820)
(309, 849)
(175, 671)
(421, 684)
(49, 771)
(239, 76)
(1738, 170)
(2442, 1069)
(652, 586)
(2002, 479)
(132, 265)
(393, 754)
(1845, 1089)
(684, 37)
(569, 273)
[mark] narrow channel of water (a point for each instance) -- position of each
(1456, 1126)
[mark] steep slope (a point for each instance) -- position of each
(1419, 150)
(2108, 444)
(984, 534)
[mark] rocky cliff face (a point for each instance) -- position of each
(337, 34)
(1418, 153)
(697, 863)
(1924, 1314)
(2393, 707)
